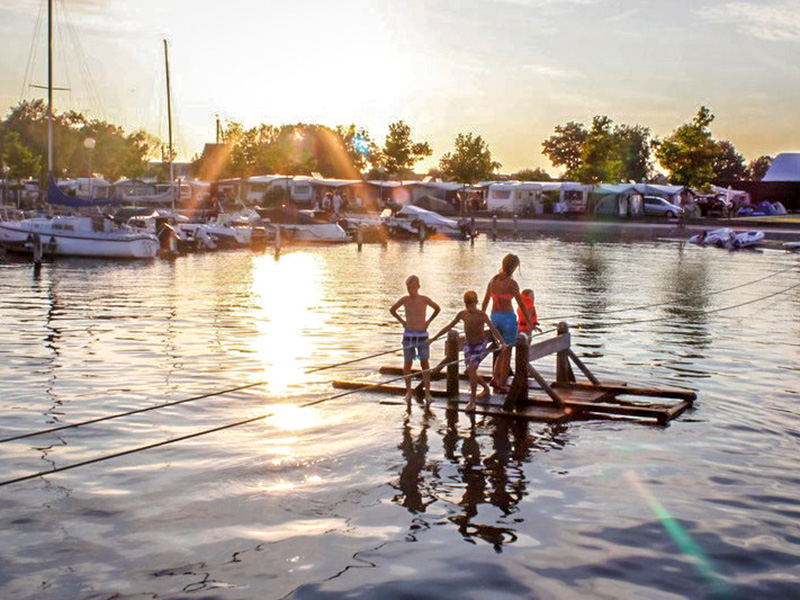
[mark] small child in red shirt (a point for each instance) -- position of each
(527, 299)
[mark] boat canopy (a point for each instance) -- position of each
(59, 198)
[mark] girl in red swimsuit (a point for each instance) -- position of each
(502, 289)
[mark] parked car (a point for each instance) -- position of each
(658, 207)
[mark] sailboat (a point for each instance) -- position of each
(92, 236)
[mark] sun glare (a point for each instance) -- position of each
(287, 289)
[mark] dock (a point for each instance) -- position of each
(531, 396)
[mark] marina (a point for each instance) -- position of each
(295, 503)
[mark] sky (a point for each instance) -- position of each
(507, 70)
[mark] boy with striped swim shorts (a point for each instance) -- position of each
(474, 344)
(415, 334)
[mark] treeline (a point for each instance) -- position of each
(23, 145)
(604, 151)
(600, 151)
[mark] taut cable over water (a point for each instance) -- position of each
(203, 432)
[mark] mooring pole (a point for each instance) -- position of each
(421, 234)
(516, 226)
(518, 393)
(37, 252)
(278, 242)
(494, 228)
(472, 231)
(360, 236)
(451, 356)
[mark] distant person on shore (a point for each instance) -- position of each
(528, 300)
(502, 289)
(327, 201)
(415, 334)
(337, 203)
(475, 344)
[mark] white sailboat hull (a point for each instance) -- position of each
(75, 236)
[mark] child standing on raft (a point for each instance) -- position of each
(528, 301)
(475, 344)
(415, 334)
(502, 289)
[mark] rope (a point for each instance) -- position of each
(207, 431)
(712, 311)
(643, 306)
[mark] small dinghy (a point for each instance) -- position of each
(792, 246)
(726, 237)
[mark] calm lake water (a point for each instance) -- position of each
(352, 498)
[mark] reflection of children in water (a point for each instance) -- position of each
(483, 476)
(415, 451)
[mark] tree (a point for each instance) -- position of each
(470, 162)
(688, 153)
(565, 147)
(537, 174)
(400, 153)
(604, 152)
(728, 164)
(758, 167)
(598, 159)
(15, 155)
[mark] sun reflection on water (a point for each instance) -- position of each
(287, 290)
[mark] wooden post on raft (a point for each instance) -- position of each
(518, 394)
(563, 370)
(360, 235)
(38, 251)
(278, 242)
(516, 227)
(494, 228)
(451, 358)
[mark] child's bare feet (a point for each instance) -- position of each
(409, 396)
(470, 405)
(485, 392)
(428, 398)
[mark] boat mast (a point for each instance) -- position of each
(49, 86)
(169, 126)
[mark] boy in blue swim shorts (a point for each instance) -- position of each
(415, 334)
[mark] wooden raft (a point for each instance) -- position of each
(532, 397)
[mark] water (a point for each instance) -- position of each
(359, 499)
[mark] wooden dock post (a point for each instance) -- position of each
(278, 242)
(360, 235)
(494, 228)
(472, 231)
(421, 231)
(516, 227)
(518, 394)
(564, 372)
(451, 356)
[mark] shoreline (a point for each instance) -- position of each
(631, 230)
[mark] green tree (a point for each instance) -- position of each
(15, 155)
(688, 153)
(537, 174)
(728, 164)
(565, 147)
(470, 162)
(758, 167)
(632, 147)
(599, 161)
(400, 153)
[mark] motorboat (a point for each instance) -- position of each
(411, 220)
(303, 226)
(94, 236)
(725, 237)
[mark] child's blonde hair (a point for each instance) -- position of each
(470, 297)
(412, 279)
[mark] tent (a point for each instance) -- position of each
(785, 167)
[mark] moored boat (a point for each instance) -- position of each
(725, 237)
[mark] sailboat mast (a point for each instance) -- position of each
(49, 86)
(169, 126)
